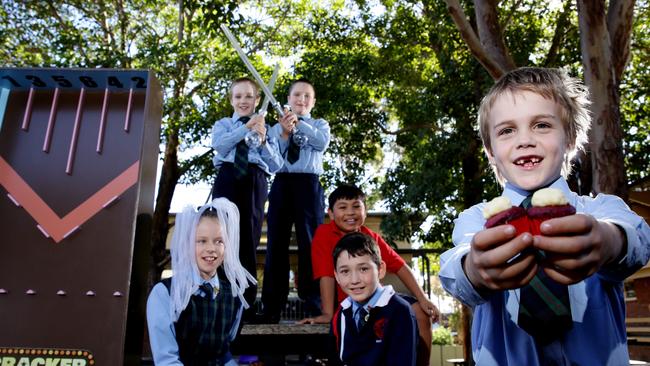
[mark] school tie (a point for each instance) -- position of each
(544, 306)
(293, 151)
(241, 154)
(362, 317)
(207, 288)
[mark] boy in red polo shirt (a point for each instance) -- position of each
(347, 212)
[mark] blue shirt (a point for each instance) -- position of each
(369, 304)
(598, 335)
(226, 134)
(311, 155)
(162, 334)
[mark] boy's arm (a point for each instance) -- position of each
(318, 132)
(406, 275)
(402, 338)
(224, 139)
(270, 153)
(327, 298)
(611, 240)
(323, 270)
(161, 328)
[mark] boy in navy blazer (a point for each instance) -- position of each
(373, 325)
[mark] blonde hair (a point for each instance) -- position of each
(186, 278)
(554, 84)
(244, 80)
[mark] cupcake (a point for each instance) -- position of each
(500, 211)
(547, 203)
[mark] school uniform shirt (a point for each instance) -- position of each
(311, 155)
(322, 247)
(162, 333)
(228, 132)
(598, 335)
(388, 338)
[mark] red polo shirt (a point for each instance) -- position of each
(322, 246)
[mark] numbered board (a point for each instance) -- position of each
(78, 154)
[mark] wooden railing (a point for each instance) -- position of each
(638, 330)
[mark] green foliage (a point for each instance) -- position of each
(442, 336)
(394, 79)
(635, 100)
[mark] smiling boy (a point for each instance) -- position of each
(243, 171)
(372, 326)
(347, 212)
(296, 199)
(532, 122)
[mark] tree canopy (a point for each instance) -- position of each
(398, 81)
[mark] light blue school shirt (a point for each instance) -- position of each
(311, 155)
(162, 334)
(598, 335)
(226, 134)
(368, 305)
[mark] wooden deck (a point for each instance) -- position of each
(283, 339)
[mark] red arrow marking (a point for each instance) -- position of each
(55, 226)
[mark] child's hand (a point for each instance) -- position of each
(488, 264)
(255, 119)
(288, 122)
(258, 125)
(577, 246)
(429, 308)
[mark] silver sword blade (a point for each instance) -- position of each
(251, 68)
(270, 86)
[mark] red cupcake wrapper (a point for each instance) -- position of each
(508, 216)
(537, 215)
(528, 221)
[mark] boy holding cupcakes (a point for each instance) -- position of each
(546, 285)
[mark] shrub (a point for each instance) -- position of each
(442, 336)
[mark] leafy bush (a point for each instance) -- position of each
(442, 336)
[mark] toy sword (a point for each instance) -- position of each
(251, 68)
(267, 99)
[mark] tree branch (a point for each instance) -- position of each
(187, 164)
(504, 23)
(558, 36)
(489, 31)
(67, 27)
(472, 40)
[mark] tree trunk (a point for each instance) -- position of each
(605, 136)
(168, 179)
(489, 31)
(471, 39)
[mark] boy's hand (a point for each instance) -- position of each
(488, 264)
(257, 124)
(321, 319)
(429, 308)
(288, 122)
(577, 246)
(255, 120)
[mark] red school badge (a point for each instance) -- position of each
(379, 327)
